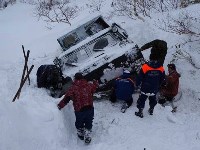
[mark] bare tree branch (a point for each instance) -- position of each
(56, 11)
(185, 24)
(133, 8)
(95, 5)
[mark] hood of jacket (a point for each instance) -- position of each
(154, 64)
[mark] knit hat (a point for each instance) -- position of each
(171, 66)
(78, 76)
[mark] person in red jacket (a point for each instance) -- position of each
(81, 93)
(170, 89)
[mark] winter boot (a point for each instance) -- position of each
(150, 111)
(139, 113)
(174, 109)
(80, 133)
(124, 107)
(88, 136)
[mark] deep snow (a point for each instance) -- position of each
(33, 121)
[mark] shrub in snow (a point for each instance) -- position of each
(134, 8)
(56, 10)
(32, 2)
(185, 23)
(5, 3)
(95, 5)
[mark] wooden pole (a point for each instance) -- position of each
(24, 70)
(23, 81)
(25, 60)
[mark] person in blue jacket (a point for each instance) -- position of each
(123, 89)
(150, 77)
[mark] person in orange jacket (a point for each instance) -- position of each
(81, 93)
(150, 77)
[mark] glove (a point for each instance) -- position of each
(136, 46)
(61, 105)
(63, 102)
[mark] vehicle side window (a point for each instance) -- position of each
(70, 40)
(94, 28)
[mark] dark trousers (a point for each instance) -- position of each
(164, 99)
(84, 118)
(141, 101)
(129, 101)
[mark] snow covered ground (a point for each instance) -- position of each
(33, 121)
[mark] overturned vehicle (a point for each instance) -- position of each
(99, 50)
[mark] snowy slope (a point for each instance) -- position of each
(33, 122)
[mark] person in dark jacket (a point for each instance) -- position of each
(170, 89)
(158, 48)
(123, 89)
(81, 93)
(150, 78)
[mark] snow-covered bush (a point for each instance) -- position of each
(184, 23)
(56, 10)
(5, 3)
(95, 5)
(32, 2)
(133, 8)
(185, 3)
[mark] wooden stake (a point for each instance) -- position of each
(25, 60)
(22, 83)
(24, 70)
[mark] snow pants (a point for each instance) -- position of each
(142, 98)
(84, 118)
